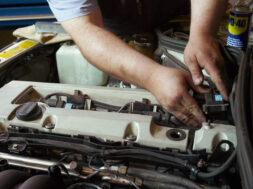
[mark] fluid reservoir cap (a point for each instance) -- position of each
(29, 111)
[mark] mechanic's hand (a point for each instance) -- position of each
(202, 52)
(171, 88)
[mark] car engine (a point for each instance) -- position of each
(74, 137)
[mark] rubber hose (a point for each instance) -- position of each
(41, 182)
(146, 153)
(162, 177)
(217, 171)
(10, 178)
(84, 185)
(160, 185)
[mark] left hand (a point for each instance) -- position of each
(202, 52)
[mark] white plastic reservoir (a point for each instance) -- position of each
(73, 68)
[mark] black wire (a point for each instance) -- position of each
(126, 105)
(90, 160)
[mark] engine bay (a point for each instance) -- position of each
(73, 136)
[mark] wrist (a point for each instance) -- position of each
(202, 36)
(155, 78)
(199, 32)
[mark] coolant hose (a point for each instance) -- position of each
(162, 177)
(219, 170)
(10, 178)
(84, 185)
(160, 185)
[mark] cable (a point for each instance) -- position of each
(219, 170)
(123, 107)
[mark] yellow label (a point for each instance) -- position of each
(17, 49)
(237, 25)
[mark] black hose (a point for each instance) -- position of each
(161, 185)
(147, 159)
(161, 177)
(42, 182)
(11, 178)
(219, 170)
(145, 153)
(84, 185)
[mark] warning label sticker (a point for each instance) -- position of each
(16, 49)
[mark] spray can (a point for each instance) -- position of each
(239, 25)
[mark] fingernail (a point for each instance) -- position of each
(197, 80)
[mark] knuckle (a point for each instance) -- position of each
(196, 72)
(176, 97)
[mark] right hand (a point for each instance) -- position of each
(203, 52)
(171, 88)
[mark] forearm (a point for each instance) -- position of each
(206, 16)
(109, 53)
(202, 50)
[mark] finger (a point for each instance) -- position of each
(197, 88)
(186, 119)
(191, 105)
(195, 70)
(216, 76)
(185, 116)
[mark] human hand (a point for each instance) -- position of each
(171, 88)
(202, 52)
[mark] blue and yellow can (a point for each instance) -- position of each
(238, 29)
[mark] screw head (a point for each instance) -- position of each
(49, 126)
(131, 137)
(15, 146)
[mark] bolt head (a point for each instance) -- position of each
(131, 137)
(49, 126)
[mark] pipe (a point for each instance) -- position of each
(161, 177)
(161, 185)
(83, 185)
(38, 164)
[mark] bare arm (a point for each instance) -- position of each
(112, 55)
(107, 52)
(202, 50)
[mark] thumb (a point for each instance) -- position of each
(195, 70)
(197, 88)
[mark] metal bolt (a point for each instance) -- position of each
(138, 181)
(201, 163)
(50, 126)
(122, 170)
(75, 167)
(131, 138)
(15, 146)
